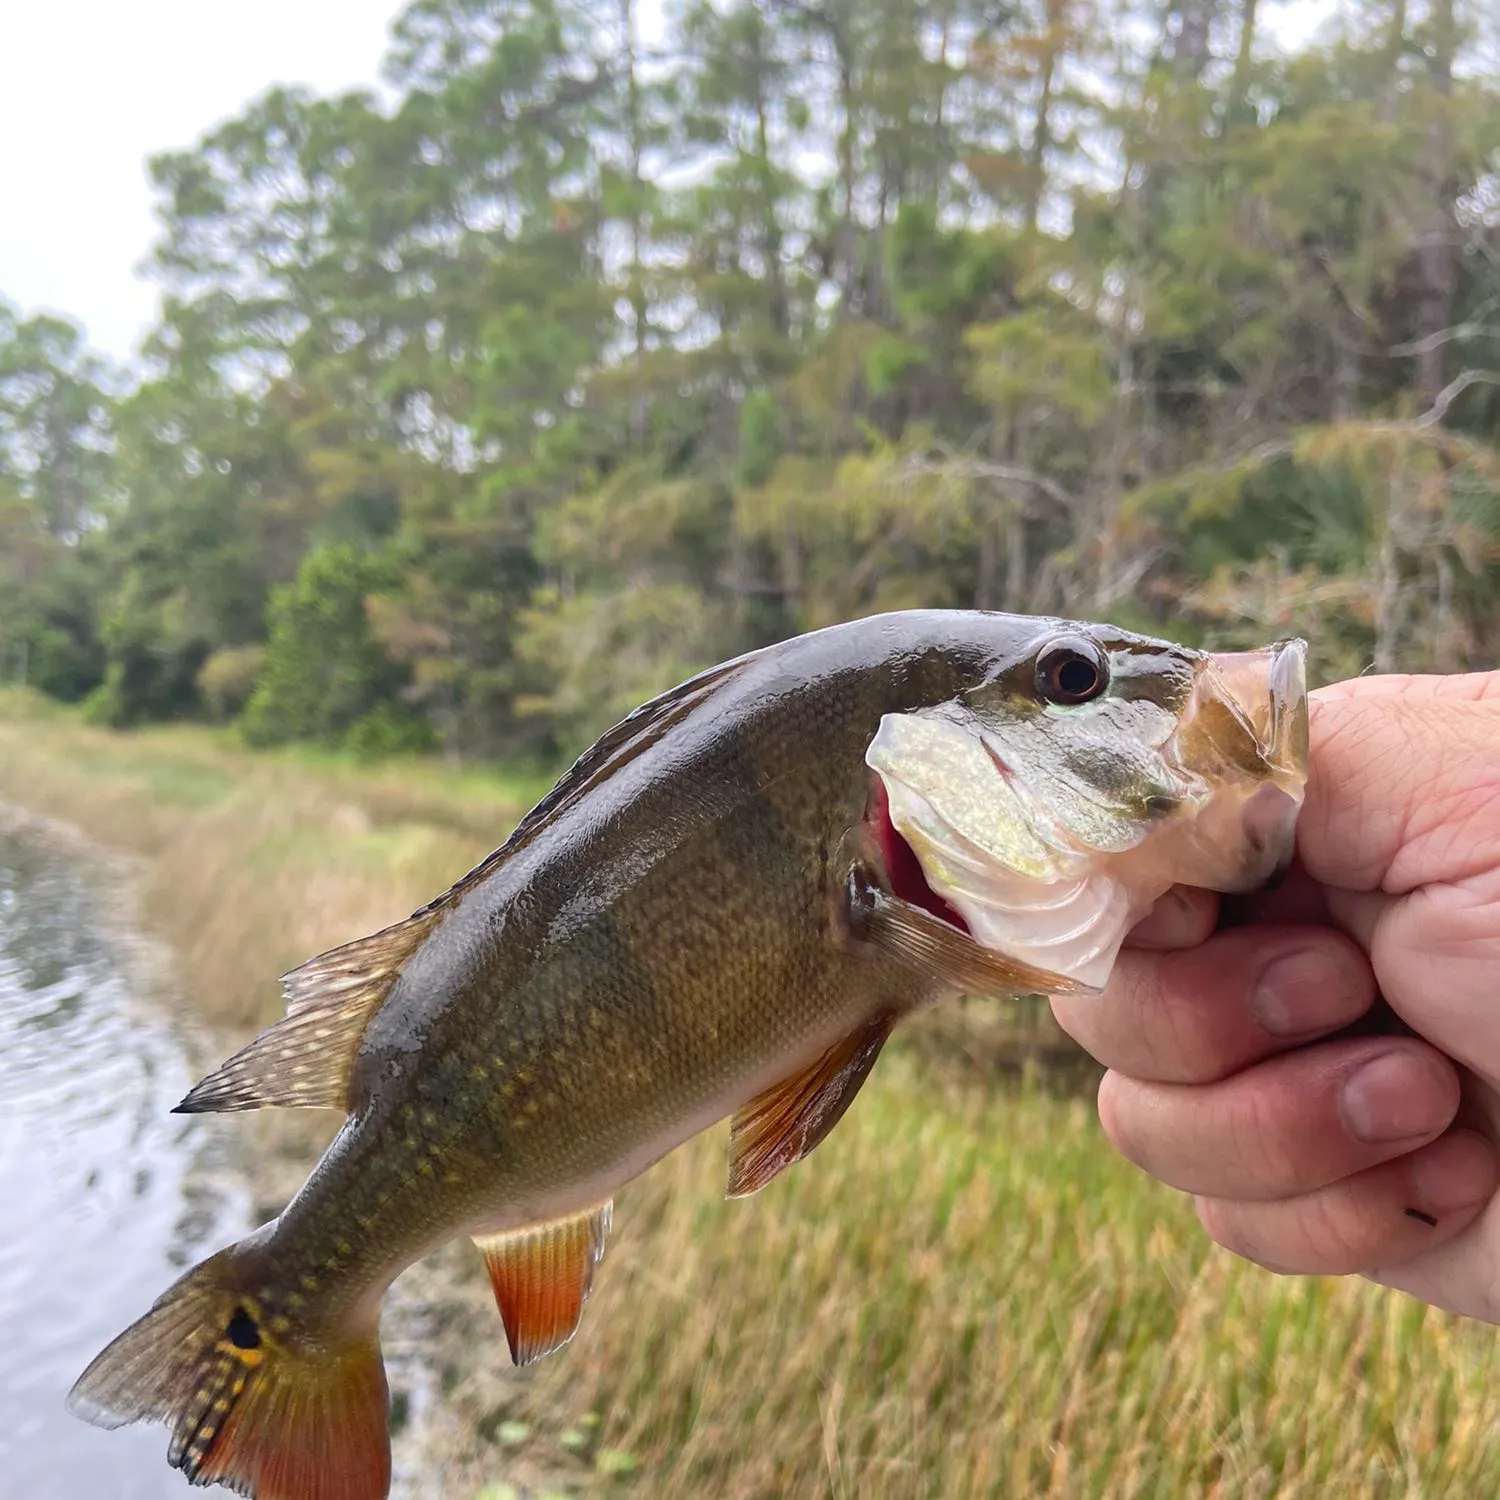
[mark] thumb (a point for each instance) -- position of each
(1403, 784)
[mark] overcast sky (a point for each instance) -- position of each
(90, 88)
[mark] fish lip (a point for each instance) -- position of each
(1288, 690)
(1237, 680)
(1269, 821)
(1249, 725)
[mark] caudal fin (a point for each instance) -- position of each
(270, 1419)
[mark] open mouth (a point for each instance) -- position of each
(903, 869)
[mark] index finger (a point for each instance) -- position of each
(1202, 1013)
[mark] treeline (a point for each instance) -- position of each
(584, 355)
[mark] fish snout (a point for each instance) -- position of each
(1246, 735)
(1264, 692)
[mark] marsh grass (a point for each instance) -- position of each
(255, 862)
(963, 1293)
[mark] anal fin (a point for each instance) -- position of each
(789, 1120)
(306, 1058)
(926, 944)
(542, 1276)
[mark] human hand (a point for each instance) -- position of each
(1243, 1065)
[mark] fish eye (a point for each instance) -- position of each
(1070, 672)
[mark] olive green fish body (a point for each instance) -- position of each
(651, 958)
(722, 909)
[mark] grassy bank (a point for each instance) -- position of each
(962, 1293)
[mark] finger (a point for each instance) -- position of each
(1291, 1125)
(1472, 687)
(1379, 1218)
(1393, 783)
(1458, 1276)
(1297, 900)
(1437, 950)
(1208, 1011)
(1181, 918)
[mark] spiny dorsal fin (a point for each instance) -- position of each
(305, 1058)
(635, 734)
(787, 1121)
(542, 1277)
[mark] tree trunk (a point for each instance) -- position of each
(1015, 558)
(1240, 106)
(770, 224)
(1395, 47)
(848, 242)
(1190, 55)
(1436, 261)
(637, 290)
(1041, 135)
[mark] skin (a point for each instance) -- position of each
(577, 1012)
(1318, 1130)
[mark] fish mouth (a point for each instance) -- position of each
(903, 869)
(1248, 725)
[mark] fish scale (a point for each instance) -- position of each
(722, 910)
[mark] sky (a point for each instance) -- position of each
(90, 88)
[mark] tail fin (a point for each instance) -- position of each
(268, 1418)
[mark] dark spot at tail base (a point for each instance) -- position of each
(243, 1333)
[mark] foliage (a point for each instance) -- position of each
(324, 672)
(611, 342)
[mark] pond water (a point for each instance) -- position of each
(104, 1194)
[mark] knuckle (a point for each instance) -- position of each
(1269, 1157)
(1227, 1224)
(1190, 1050)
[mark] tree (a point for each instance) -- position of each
(593, 351)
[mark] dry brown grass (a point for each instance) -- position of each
(963, 1293)
(253, 863)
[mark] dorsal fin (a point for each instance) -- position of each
(636, 733)
(306, 1057)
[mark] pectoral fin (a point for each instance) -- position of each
(783, 1124)
(930, 946)
(542, 1277)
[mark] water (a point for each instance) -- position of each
(104, 1195)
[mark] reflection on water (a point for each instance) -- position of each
(104, 1194)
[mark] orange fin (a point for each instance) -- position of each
(266, 1418)
(542, 1277)
(930, 946)
(306, 1058)
(787, 1121)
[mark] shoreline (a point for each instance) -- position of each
(962, 1293)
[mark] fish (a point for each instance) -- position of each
(723, 909)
